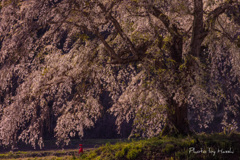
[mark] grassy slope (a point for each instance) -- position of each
(170, 148)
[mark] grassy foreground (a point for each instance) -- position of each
(202, 146)
(198, 147)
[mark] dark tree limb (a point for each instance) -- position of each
(172, 28)
(160, 15)
(127, 41)
(201, 28)
(198, 29)
(219, 10)
(177, 37)
(224, 32)
(111, 51)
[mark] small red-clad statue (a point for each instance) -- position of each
(80, 149)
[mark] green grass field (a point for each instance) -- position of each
(198, 147)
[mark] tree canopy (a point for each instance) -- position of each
(169, 67)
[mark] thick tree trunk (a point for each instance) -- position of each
(181, 119)
(177, 120)
(14, 145)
